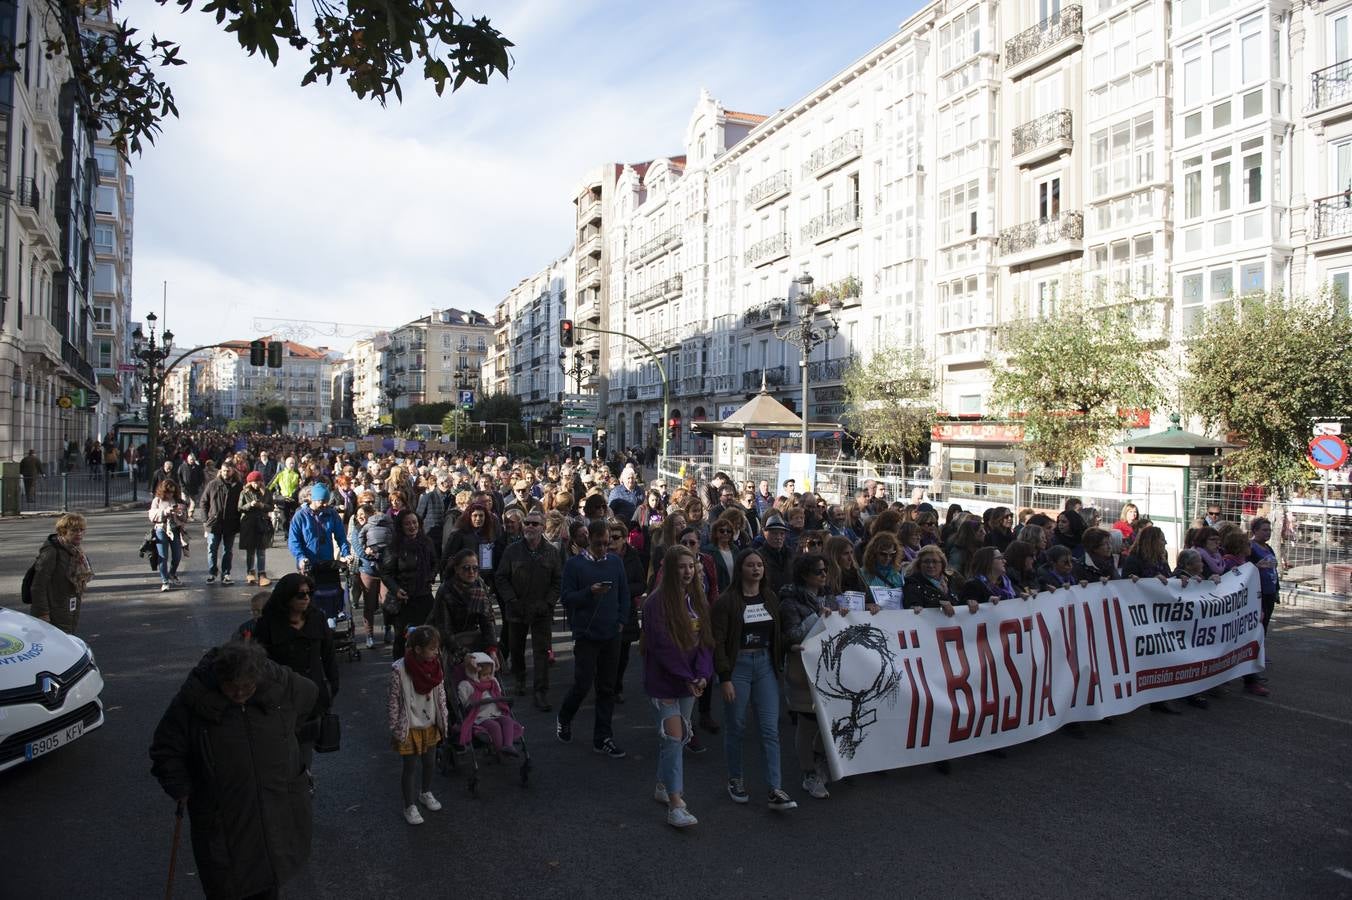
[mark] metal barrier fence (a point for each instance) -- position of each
(70, 491)
(1312, 535)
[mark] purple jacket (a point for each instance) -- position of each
(667, 669)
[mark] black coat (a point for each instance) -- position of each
(191, 476)
(919, 591)
(307, 651)
(634, 574)
(239, 768)
(433, 509)
(220, 506)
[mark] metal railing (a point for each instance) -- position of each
(1069, 22)
(26, 192)
(76, 490)
(838, 152)
(670, 287)
(775, 376)
(832, 222)
(829, 369)
(1067, 225)
(767, 189)
(763, 314)
(660, 244)
(1333, 216)
(769, 249)
(1044, 130)
(1331, 85)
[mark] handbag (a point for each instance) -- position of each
(392, 606)
(330, 733)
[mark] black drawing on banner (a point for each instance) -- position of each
(863, 694)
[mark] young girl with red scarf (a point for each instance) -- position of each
(418, 720)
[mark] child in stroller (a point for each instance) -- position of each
(481, 716)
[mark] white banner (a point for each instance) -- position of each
(898, 689)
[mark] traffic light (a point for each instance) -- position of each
(674, 424)
(566, 333)
(258, 353)
(275, 351)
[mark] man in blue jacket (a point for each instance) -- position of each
(314, 529)
(595, 595)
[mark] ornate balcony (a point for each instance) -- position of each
(832, 223)
(659, 245)
(832, 156)
(1043, 137)
(1330, 86)
(1332, 217)
(1040, 238)
(774, 377)
(1044, 41)
(829, 369)
(664, 290)
(776, 246)
(772, 188)
(760, 316)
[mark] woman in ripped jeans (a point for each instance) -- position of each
(678, 661)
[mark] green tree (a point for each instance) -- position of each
(891, 402)
(420, 414)
(367, 43)
(277, 415)
(500, 408)
(1070, 378)
(1264, 373)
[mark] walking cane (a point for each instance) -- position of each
(173, 851)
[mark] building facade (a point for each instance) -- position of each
(368, 395)
(431, 359)
(527, 359)
(232, 386)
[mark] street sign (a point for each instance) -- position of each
(466, 398)
(1328, 451)
(126, 367)
(1328, 428)
(92, 400)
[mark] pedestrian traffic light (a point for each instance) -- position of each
(258, 353)
(566, 333)
(275, 351)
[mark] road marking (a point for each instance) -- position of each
(1336, 870)
(1309, 712)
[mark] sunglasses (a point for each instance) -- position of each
(818, 571)
(305, 593)
(887, 553)
(469, 568)
(530, 524)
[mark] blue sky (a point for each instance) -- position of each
(268, 199)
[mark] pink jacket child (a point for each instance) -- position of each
(491, 719)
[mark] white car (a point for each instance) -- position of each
(49, 688)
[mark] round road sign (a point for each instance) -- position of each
(1328, 451)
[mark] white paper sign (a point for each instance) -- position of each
(485, 556)
(887, 598)
(851, 600)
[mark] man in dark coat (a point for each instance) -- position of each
(434, 508)
(227, 746)
(220, 512)
(527, 579)
(191, 479)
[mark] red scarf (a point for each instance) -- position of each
(424, 675)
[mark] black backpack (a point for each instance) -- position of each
(26, 588)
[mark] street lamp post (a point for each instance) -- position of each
(151, 355)
(813, 328)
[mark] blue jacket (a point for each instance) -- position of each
(592, 617)
(309, 537)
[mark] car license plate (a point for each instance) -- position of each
(52, 741)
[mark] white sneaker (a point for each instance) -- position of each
(815, 787)
(370, 641)
(164, 588)
(680, 817)
(429, 801)
(412, 816)
(660, 794)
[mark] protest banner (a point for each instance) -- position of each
(900, 688)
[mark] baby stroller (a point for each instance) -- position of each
(455, 752)
(332, 596)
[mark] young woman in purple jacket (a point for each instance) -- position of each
(678, 661)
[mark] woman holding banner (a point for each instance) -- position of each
(927, 584)
(880, 566)
(801, 603)
(747, 653)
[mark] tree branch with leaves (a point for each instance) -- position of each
(891, 402)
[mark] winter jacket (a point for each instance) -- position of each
(1049, 580)
(596, 618)
(376, 536)
(307, 651)
(778, 563)
(920, 591)
(433, 509)
(239, 769)
(798, 613)
(397, 708)
(312, 535)
(528, 581)
(58, 591)
(191, 477)
(634, 570)
(365, 564)
(459, 539)
(1134, 565)
(287, 483)
(220, 506)
(726, 618)
(455, 612)
(255, 519)
(1087, 570)
(668, 670)
(410, 566)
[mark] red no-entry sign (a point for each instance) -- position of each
(1328, 451)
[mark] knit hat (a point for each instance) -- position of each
(252, 477)
(320, 492)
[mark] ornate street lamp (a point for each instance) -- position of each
(151, 355)
(813, 328)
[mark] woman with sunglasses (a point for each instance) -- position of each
(722, 550)
(881, 567)
(463, 612)
(296, 635)
(999, 521)
(407, 570)
(801, 603)
(634, 570)
(747, 654)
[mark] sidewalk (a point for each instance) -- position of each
(77, 492)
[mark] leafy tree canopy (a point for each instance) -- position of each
(1071, 377)
(420, 414)
(367, 43)
(891, 402)
(1265, 372)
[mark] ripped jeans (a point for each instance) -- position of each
(670, 750)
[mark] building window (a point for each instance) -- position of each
(1253, 170)
(1192, 187)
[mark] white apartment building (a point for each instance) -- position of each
(303, 385)
(429, 360)
(368, 396)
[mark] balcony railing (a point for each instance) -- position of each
(666, 289)
(1069, 22)
(28, 196)
(589, 277)
(832, 223)
(631, 392)
(649, 391)
(1331, 85)
(590, 246)
(660, 244)
(1053, 127)
(774, 377)
(835, 154)
(829, 369)
(763, 314)
(1066, 226)
(1332, 216)
(761, 193)
(692, 385)
(721, 384)
(776, 246)
(591, 212)
(78, 364)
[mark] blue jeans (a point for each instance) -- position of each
(669, 749)
(168, 566)
(215, 543)
(254, 560)
(754, 681)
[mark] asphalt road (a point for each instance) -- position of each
(1252, 798)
